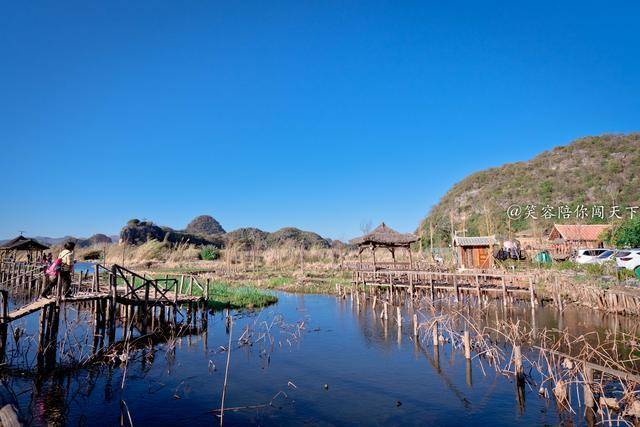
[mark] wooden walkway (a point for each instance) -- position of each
(470, 283)
(116, 284)
(41, 302)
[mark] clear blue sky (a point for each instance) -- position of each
(319, 115)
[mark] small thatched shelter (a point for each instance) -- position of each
(384, 237)
(23, 244)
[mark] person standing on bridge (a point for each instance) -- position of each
(66, 269)
(61, 270)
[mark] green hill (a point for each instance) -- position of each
(598, 170)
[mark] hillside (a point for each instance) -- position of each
(205, 230)
(205, 225)
(598, 170)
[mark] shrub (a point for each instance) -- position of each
(628, 234)
(209, 253)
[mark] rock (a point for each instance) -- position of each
(95, 240)
(296, 237)
(247, 238)
(138, 232)
(205, 225)
(92, 255)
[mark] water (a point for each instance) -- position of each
(315, 358)
(83, 266)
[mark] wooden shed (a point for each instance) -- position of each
(475, 251)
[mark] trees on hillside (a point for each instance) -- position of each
(627, 235)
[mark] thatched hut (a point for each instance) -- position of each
(384, 237)
(22, 244)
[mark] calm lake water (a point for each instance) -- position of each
(315, 358)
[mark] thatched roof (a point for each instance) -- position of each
(385, 236)
(22, 243)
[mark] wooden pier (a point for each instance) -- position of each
(113, 294)
(431, 282)
(26, 282)
(23, 284)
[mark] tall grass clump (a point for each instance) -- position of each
(209, 253)
(221, 296)
(279, 282)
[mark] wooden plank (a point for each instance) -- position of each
(29, 308)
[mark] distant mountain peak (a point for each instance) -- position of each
(205, 224)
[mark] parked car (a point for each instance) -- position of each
(609, 255)
(589, 256)
(629, 259)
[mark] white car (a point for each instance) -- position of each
(589, 256)
(629, 259)
(609, 255)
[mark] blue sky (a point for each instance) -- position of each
(320, 115)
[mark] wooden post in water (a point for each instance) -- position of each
(399, 317)
(467, 345)
(415, 326)
(206, 290)
(588, 393)
(96, 278)
(504, 292)
(434, 333)
(411, 285)
(455, 288)
(532, 293)
(517, 355)
(432, 286)
(113, 282)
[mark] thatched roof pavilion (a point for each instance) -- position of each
(22, 244)
(384, 237)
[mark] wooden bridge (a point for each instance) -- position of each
(115, 296)
(472, 283)
(26, 282)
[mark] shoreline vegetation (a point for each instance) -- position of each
(242, 276)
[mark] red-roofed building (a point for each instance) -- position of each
(567, 237)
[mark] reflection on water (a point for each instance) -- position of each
(308, 359)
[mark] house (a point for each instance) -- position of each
(565, 238)
(475, 252)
